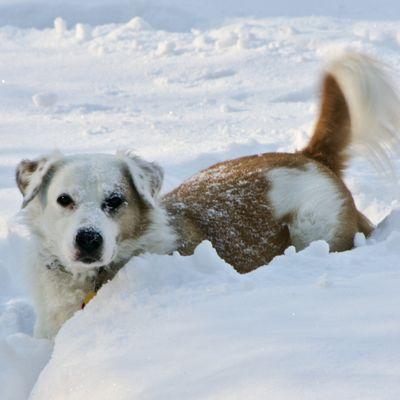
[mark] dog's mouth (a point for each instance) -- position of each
(88, 259)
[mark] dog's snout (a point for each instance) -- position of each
(88, 242)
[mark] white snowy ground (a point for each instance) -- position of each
(310, 325)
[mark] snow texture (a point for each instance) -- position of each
(188, 84)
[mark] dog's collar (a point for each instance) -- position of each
(99, 275)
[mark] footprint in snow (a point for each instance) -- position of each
(44, 99)
(99, 130)
(296, 96)
(218, 74)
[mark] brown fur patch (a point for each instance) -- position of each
(133, 220)
(23, 173)
(364, 224)
(332, 132)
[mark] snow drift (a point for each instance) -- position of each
(175, 327)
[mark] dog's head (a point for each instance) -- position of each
(88, 210)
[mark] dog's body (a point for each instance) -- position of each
(90, 214)
(253, 208)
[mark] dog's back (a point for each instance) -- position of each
(252, 208)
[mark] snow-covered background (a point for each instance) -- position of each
(189, 83)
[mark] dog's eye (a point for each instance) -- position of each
(65, 200)
(113, 202)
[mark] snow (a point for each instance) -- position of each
(46, 99)
(311, 325)
(60, 26)
(188, 84)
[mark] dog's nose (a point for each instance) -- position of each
(88, 241)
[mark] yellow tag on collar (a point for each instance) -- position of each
(88, 297)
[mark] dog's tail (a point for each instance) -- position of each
(360, 112)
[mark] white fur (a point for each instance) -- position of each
(59, 293)
(311, 197)
(57, 296)
(159, 238)
(374, 106)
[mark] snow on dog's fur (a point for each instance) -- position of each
(90, 214)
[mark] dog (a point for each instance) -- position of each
(90, 214)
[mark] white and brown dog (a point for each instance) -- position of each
(91, 213)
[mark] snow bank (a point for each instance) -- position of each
(21, 356)
(310, 325)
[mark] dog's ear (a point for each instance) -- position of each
(147, 177)
(30, 174)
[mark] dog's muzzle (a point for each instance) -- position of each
(89, 244)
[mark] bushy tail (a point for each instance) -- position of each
(360, 112)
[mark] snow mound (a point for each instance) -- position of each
(46, 99)
(21, 356)
(172, 327)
